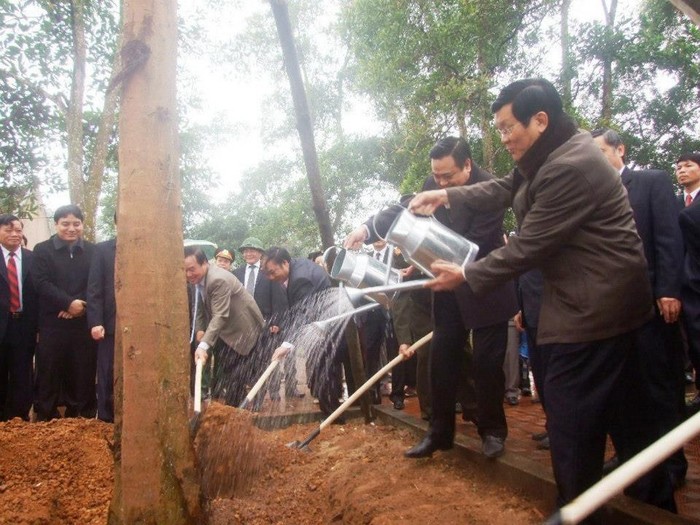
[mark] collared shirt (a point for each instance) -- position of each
(18, 264)
(59, 243)
(255, 274)
(692, 194)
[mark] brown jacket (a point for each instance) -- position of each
(230, 310)
(576, 225)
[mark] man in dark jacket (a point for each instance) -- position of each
(577, 227)
(65, 356)
(459, 312)
(18, 322)
(101, 316)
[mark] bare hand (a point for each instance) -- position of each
(200, 353)
(280, 353)
(64, 315)
(355, 239)
(407, 272)
(406, 351)
(77, 308)
(198, 336)
(518, 320)
(97, 332)
(448, 276)
(425, 203)
(669, 308)
(274, 329)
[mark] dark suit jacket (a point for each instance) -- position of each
(305, 278)
(269, 295)
(60, 275)
(689, 221)
(30, 303)
(655, 208)
(485, 228)
(101, 304)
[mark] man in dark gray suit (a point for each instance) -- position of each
(658, 342)
(228, 324)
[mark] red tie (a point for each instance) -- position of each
(688, 199)
(14, 283)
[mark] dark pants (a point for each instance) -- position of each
(66, 363)
(105, 379)
(447, 354)
(232, 371)
(373, 331)
(585, 386)
(16, 369)
(691, 322)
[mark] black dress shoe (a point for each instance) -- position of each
(539, 436)
(543, 444)
(492, 446)
(611, 465)
(399, 404)
(425, 448)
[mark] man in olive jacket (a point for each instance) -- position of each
(227, 323)
(577, 226)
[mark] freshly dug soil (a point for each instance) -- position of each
(61, 473)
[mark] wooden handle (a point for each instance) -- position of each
(372, 380)
(199, 365)
(260, 382)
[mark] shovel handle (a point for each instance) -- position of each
(199, 365)
(260, 382)
(372, 380)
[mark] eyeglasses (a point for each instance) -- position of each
(506, 130)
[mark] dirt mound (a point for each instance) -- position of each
(55, 472)
(61, 473)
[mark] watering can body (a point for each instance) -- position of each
(424, 240)
(359, 270)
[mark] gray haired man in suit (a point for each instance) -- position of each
(227, 323)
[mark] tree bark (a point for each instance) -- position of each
(74, 117)
(156, 478)
(304, 123)
(607, 91)
(567, 67)
(691, 9)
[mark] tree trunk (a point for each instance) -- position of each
(93, 185)
(156, 477)
(74, 116)
(567, 67)
(304, 124)
(691, 9)
(607, 91)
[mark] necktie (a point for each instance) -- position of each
(377, 255)
(250, 282)
(688, 199)
(13, 281)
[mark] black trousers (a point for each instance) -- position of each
(232, 371)
(105, 379)
(16, 369)
(450, 339)
(66, 362)
(588, 391)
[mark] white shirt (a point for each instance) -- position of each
(18, 264)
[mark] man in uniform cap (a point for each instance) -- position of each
(224, 259)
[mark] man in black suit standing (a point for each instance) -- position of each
(303, 281)
(271, 298)
(658, 342)
(65, 356)
(688, 175)
(18, 322)
(457, 313)
(101, 316)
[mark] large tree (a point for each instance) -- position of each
(156, 477)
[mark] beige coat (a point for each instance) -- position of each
(576, 225)
(232, 314)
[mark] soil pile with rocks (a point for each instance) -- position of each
(61, 473)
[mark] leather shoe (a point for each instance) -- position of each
(688, 376)
(425, 448)
(399, 404)
(543, 444)
(611, 465)
(539, 436)
(492, 446)
(693, 405)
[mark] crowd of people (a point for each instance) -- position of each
(601, 277)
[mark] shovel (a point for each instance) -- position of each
(304, 445)
(196, 421)
(258, 385)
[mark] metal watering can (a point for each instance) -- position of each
(359, 270)
(424, 240)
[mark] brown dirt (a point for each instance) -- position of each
(60, 472)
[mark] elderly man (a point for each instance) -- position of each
(227, 323)
(576, 225)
